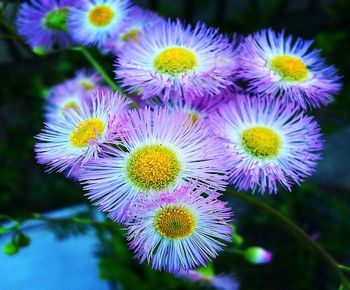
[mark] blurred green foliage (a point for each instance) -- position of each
(321, 210)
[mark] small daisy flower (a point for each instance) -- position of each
(270, 142)
(179, 230)
(74, 139)
(95, 21)
(175, 61)
(163, 150)
(138, 21)
(275, 65)
(44, 23)
(70, 94)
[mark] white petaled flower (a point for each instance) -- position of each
(173, 61)
(75, 138)
(95, 21)
(269, 142)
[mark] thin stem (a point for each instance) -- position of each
(344, 268)
(293, 228)
(100, 69)
(103, 73)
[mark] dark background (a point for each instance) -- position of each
(321, 206)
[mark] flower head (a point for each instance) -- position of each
(257, 255)
(138, 21)
(75, 138)
(276, 66)
(163, 150)
(95, 21)
(44, 23)
(71, 94)
(270, 142)
(178, 230)
(175, 61)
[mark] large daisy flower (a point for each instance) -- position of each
(44, 23)
(176, 61)
(270, 142)
(70, 94)
(275, 65)
(95, 21)
(179, 230)
(162, 151)
(75, 138)
(139, 20)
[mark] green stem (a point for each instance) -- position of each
(344, 268)
(100, 69)
(103, 73)
(293, 228)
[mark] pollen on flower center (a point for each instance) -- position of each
(290, 68)
(87, 85)
(153, 167)
(261, 142)
(56, 19)
(175, 60)
(70, 105)
(174, 222)
(132, 34)
(101, 15)
(89, 129)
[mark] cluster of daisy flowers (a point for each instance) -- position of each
(212, 111)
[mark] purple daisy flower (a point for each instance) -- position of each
(175, 61)
(75, 138)
(95, 21)
(270, 142)
(163, 151)
(44, 23)
(71, 94)
(275, 65)
(138, 21)
(179, 230)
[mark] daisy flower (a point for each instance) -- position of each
(175, 61)
(163, 150)
(43, 24)
(95, 21)
(179, 230)
(270, 142)
(138, 21)
(275, 65)
(75, 138)
(70, 94)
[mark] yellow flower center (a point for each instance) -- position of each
(101, 15)
(153, 167)
(132, 34)
(289, 68)
(175, 60)
(261, 142)
(85, 131)
(175, 222)
(87, 85)
(70, 105)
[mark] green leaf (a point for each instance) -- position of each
(10, 248)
